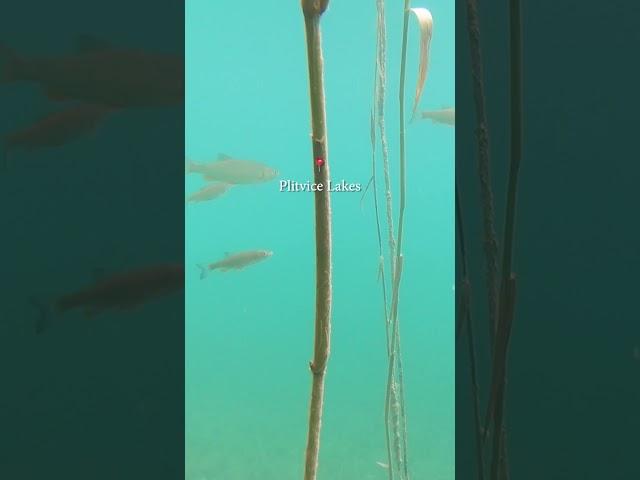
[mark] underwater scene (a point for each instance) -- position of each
(252, 206)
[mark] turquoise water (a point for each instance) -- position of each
(249, 332)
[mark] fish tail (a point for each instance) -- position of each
(204, 271)
(43, 320)
(11, 65)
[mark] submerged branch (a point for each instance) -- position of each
(313, 10)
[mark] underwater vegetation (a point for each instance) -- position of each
(490, 429)
(397, 463)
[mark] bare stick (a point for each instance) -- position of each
(313, 10)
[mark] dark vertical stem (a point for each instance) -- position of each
(508, 285)
(516, 136)
(484, 170)
(313, 10)
(465, 319)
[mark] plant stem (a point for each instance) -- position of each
(508, 285)
(392, 391)
(391, 403)
(403, 169)
(484, 170)
(312, 10)
(465, 319)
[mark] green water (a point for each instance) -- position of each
(249, 333)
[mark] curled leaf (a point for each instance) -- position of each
(425, 21)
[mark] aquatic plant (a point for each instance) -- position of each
(507, 294)
(502, 289)
(394, 412)
(463, 311)
(313, 10)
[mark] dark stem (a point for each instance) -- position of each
(508, 285)
(484, 170)
(465, 320)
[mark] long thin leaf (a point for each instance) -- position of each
(426, 28)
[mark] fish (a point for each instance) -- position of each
(99, 73)
(235, 261)
(58, 128)
(122, 291)
(209, 192)
(232, 171)
(446, 116)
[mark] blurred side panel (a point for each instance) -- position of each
(548, 387)
(92, 222)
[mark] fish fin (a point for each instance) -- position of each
(87, 43)
(223, 156)
(43, 320)
(203, 271)
(10, 65)
(188, 166)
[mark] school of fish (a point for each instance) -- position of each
(96, 80)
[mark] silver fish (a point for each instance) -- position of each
(235, 261)
(232, 170)
(446, 116)
(209, 192)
